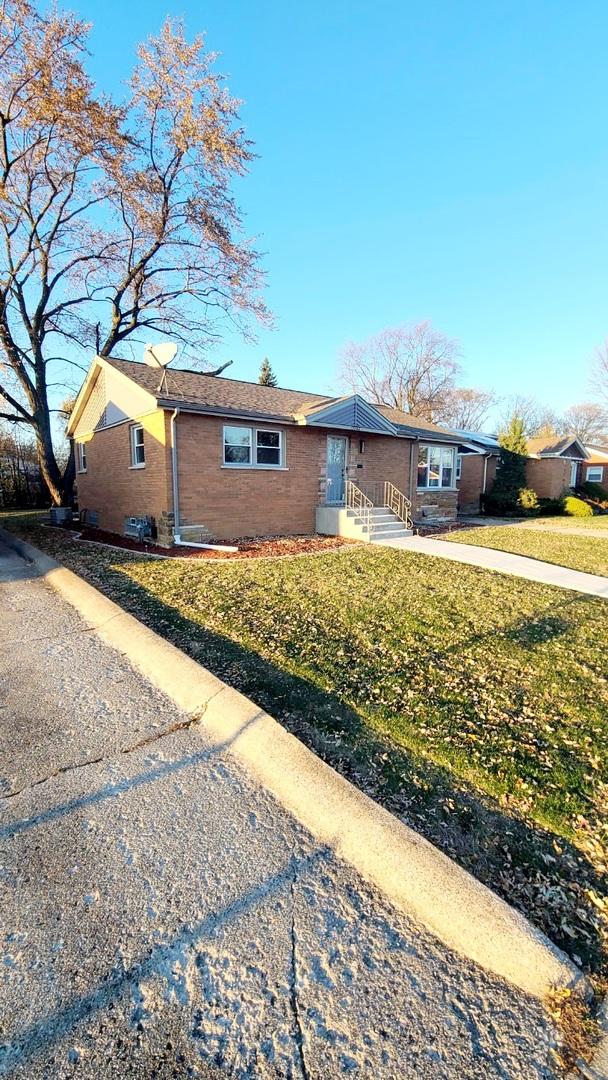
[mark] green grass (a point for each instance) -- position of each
(587, 553)
(598, 523)
(473, 705)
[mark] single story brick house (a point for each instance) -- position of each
(594, 469)
(210, 459)
(476, 465)
(554, 464)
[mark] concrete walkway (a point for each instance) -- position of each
(506, 563)
(162, 916)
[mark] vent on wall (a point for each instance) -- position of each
(138, 528)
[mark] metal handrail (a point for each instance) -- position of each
(358, 502)
(382, 493)
(396, 501)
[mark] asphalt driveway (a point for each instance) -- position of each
(162, 916)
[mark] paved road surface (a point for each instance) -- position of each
(161, 916)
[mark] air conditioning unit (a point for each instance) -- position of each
(138, 528)
(60, 515)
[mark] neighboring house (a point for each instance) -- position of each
(475, 469)
(553, 464)
(209, 458)
(595, 467)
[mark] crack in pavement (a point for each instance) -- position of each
(293, 981)
(64, 637)
(179, 725)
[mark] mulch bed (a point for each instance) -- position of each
(435, 530)
(261, 547)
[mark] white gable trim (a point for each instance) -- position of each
(148, 401)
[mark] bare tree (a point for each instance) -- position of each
(113, 218)
(537, 419)
(587, 421)
(465, 408)
(599, 378)
(413, 368)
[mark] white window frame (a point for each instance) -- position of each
(81, 457)
(451, 450)
(458, 472)
(253, 448)
(135, 464)
(595, 468)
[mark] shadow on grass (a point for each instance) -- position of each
(543, 875)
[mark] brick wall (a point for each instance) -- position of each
(548, 476)
(226, 502)
(470, 485)
(116, 491)
(447, 501)
(232, 503)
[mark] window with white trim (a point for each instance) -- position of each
(81, 456)
(595, 473)
(258, 448)
(138, 450)
(436, 467)
(458, 466)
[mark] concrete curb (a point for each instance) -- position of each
(418, 879)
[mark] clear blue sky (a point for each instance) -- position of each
(430, 160)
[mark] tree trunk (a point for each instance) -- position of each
(46, 456)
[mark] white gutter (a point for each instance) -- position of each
(175, 474)
(485, 472)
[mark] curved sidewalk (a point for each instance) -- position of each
(506, 563)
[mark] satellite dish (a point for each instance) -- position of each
(159, 355)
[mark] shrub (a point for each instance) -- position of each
(528, 501)
(576, 507)
(552, 507)
(593, 493)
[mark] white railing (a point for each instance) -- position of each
(355, 500)
(381, 493)
(363, 497)
(396, 501)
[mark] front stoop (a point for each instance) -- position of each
(338, 521)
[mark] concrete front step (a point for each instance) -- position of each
(379, 536)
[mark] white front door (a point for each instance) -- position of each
(573, 472)
(337, 448)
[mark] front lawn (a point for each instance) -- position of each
(588, 553)
(597, 523)
(473, 705)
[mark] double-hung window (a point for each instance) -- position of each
(436, 467)
(81, 457)
(595, 474)
(138, 450)
(458, 466)
(250, 447)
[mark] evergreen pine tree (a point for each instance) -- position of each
(513, 438)
(267, 375)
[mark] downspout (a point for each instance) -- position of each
(174, 470)
(485, 472)
(175, 473)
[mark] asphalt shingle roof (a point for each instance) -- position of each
(216, 392)
(550, 445)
